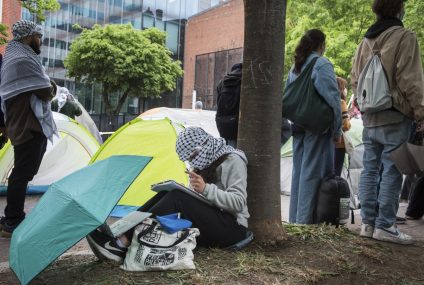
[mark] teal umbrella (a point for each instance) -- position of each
(69, 210)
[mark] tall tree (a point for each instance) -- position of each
(260, 113)
(345, 24)
(39, 7)
(124, 60)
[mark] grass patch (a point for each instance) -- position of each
(321, 232)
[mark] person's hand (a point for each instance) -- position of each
(337, 139)
(196, 182)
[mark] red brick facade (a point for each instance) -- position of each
(217, 29)
(10, 13)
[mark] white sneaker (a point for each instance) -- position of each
(366, 231)
(392, 234)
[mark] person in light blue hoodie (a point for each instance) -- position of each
(312, 153)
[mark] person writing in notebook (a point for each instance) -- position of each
(219, 173)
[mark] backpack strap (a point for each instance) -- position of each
(376, 50)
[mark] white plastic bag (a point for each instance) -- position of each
(153, 249)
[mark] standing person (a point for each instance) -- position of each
(385, 130)
(26, 92)
(313, 154)
(228, 104)
(340, 150)
(219, 173)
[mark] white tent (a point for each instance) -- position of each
(86, 120)
(186, 117)
(69, 152)
(351, 170)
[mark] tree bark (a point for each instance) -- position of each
(121, 101)
(260, 114)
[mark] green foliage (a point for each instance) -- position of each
(38, 7)
(3, 34)
(123, 59)
(344, 23)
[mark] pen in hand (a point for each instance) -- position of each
(196, 181)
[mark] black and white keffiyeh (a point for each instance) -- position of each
(24, 28)
(201, 149)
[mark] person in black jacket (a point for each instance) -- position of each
(228, 103)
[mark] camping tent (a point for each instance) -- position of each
(67, 153)
(154, 138)
(186, 117)
(154, 133)
(86, 120)
(352, 168)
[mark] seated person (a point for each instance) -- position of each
(219, 173)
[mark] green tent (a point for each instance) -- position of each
(153, 138)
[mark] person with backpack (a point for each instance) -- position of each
(228, 104)
(388, 57)
(313, 153)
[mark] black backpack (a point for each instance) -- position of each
(228, 103)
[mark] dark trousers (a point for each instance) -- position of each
(416, 199)
(339, 156)
(28, 158)
(217, 228)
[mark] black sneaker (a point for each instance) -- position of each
(400, 220)
(105, 247)
(2, 221)
(7, 228)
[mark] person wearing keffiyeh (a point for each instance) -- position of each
(219, 173)
(25, 92)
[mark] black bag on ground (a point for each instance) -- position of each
(304, 106)
(416, 199)
(228, 103)
(333, 199)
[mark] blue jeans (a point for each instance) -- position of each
(312, 161)
(379, 142)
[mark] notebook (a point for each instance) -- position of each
(126, 223)
(169, 185)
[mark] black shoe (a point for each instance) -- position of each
(400, 220)
(105, 247)
(6, 229)
(2, 221)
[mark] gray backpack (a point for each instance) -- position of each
(374, 92)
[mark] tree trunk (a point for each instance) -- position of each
(105, 97)
(121, 101)
(260, 114)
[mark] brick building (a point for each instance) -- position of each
(10, 12)
(214, 42)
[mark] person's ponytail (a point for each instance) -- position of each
(311, 41)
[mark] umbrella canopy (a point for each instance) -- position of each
(69, 210)
(408, 158)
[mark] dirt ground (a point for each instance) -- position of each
(311, 255)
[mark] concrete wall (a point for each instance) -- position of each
(217, 29)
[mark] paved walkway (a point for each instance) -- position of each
(413, 228)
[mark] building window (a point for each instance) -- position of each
(209, 70)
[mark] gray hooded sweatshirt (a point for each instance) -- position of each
(229, 193)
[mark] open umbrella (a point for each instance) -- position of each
(69, 210)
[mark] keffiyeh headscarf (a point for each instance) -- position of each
(201, 149)
(24, 28)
